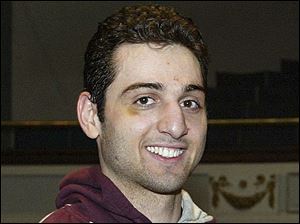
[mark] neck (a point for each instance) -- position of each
(158, 208)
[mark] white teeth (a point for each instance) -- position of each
(164, 151)
(160, 151)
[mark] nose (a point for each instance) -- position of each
(172, 121)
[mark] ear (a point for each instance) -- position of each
(87, 116)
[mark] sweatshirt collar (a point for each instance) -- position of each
(191, 213)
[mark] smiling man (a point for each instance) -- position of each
(144, 103)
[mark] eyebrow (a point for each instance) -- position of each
(160, 86)
(193, 87)
(155, 85)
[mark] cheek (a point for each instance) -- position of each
(197, 130)
(130, 112)
(140, 122)
(133, 121)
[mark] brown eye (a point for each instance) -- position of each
(145, 101)
(187, 103)
(191, 104)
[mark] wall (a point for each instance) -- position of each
(28, 192)
(49, 41)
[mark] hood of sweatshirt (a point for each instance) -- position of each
(87, 195)
(93, 195)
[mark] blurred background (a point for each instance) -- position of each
(253, 102)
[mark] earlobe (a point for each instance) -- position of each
(87, 116)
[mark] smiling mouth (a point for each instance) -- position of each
(165, 151)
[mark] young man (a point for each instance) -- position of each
(144, 103)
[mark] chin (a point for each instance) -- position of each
(167, 187)
(165, 191)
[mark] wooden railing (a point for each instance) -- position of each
(218, 122)
(218, 153)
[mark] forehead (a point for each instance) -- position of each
(152, 62)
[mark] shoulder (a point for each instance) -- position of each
(66, 214)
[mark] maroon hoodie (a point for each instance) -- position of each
(89, 196)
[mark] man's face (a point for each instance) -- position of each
(155, 117)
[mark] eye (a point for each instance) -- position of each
(190, 104)
(145, 101)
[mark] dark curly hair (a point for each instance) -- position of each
(136, 24)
